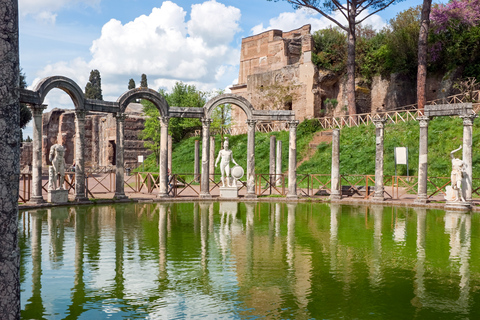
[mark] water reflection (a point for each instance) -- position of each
(241, 260)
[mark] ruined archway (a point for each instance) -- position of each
(68, 85)
(229, 98)
(144, 93)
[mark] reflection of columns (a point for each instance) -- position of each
(119, 249)
(273, 141)
(162, 239)
(120, 163)
(205, 182)
(334, 217)
(292, 160)
(291, 207)
(163, 157)
(250, 207)
(278, 164)
(80, 194)
(212, 158)
(375, 271)
(196, 160)
(37, 111)
(379, 134)
(78, 291)
(251, 159)
(419, 289)
(467, 154)
(422, 161)
(335, 179)
(278, 215)
(204, 210)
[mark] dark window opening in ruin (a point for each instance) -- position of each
(111, 153)
(288, 105)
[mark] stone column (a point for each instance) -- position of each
(422, 196)
(292, 160)
(273, 142)
(170, 150)
(379, 134)
(120, 163)
(37, 111)
(212, 157)
(95, 141)
(251, 159)
(205, 183)
(278, 164)
(80, 192)
(467, 154)
(163, 157)
(335, 193)
(196, 167)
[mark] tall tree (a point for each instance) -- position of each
(131, 84)
(25, 113)
(221, 116)
(9, 161)
(422, 54)
(93, 89)
(355, 12)
(143, 81)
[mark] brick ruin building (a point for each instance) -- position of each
(100, 135)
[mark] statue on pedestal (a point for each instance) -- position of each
(56, 172)
(226, 155)
(455, 191)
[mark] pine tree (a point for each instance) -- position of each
(25, 113)
(93, 89)
(143, 82)
(131, 84)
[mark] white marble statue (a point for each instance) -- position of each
(56, 172)
(455, 191)
(226, 155)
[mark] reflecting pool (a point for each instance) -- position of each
(249, 260)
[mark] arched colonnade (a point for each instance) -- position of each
(35, 98)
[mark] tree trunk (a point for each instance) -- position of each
(422, 55)
(9, 160)
(352, 109)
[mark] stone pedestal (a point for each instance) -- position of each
(57, 196)
(229, 192)
(458, 205)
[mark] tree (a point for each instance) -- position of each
(9, 161)
(221, 116)
(25, 113)
(351, 11)
(143, 82)
(131, 84)
(151, 132)
(93, 89)
(422, 55)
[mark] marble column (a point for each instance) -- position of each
(251, 159)
(292, 159)
(335, 193)
(120, 162)
(170, 150)
(278, 164)
(467, 154)
(37, 111)
(379, 134)
(80, 192)
(212, 158)
(163, 157)
(422, 196)
(205, 182)
(196, 167)
(273, 142)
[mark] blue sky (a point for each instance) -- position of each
(197, 42)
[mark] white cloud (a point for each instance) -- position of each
(165, 46)
(292, 20)
(45, 10)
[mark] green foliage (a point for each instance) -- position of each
(330, 49)
(25, 113)
(308, 126)
(93, 89)
(131, 84)
(221, 116)
(143, 81)
(151, 132)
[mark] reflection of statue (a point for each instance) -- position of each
(57, 170)
(455, 192)
(226, 155)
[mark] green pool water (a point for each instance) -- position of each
(249, 261)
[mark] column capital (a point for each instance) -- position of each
(120, 116)
(37, 109)
(206, 122)
(251, 122)
(293, 123)
(423, 121)
(164, 120)
(379, 122)
(468, 119)
(80, 115)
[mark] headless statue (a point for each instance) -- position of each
(56, 172)
(457, 175)
(226, 155)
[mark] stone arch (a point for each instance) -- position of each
(144, 93)
(63, 83)
(229, 98)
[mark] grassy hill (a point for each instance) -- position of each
(357, 149)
